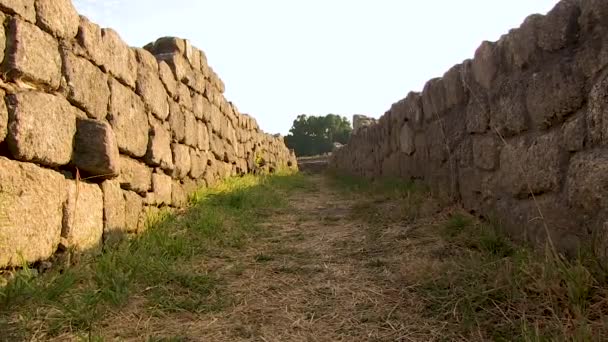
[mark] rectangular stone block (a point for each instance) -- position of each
(31, 212)
(134, 205)
(161, 186)
(3, 117)
(32, 55)
(198, 163)
(41, 128)
(58, 17)
(87, 86)
(149, 85)
(167, 77)
(485, 152)
(181, 160)
(179, 197)
(202, 136)
(191, 138)
(23, 8)
(177, 122)
(95, 149)
(83, 216)
(129, 119)
(134, 175)
(159, 147)
(114, 226)
(184, 98)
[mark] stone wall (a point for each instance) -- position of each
(519, 133)
(95, 134)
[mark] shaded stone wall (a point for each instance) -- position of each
(518, 133)
(95, 134)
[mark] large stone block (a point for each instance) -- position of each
(485, 64)
(434, 99)
(477, 115)
(87, 86)
(560, 26)
(41, 128)
(161, 186)
(134, 175)
(597, 121)
(554, 93)
(406, 140)
(95, 149)
(587, 180)
(181, 160)
(58, 17)
(574, 134)
(23, 8)
(106, 49)
(134, 205)
(532, 168)
(168, 79)
(3, 117)
(455, 91)
(184, 98)
(159, 148)
(178, 64)
(150, 87)
(177, 121)
(179, 197)
(508, 111)
(83, 216)
(202, 136)
(191, 129)
(113, 210)
(129, 120)
(521, 44)
(32, 55)
(198, 163)
(485, 152)
(31, 212)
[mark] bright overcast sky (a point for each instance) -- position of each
(281, 58)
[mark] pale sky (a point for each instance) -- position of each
(281, 58)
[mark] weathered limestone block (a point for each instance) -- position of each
(455, 92)
(83, 216)
(508, 110)
(179, 197)
(477, 115)
(406, 140)
(31, 212)
(134, 205)
(553, 94)
(177, 122)
(159, 148)
(168, 79)
(129, 120)
(161, 186)
(3, 117)
(434, 99)
(134, 175)
(560, 26)
(183, 96)
(149, 85)
(32, 55)
(587, 180)
(113, 210)
(41, 128)
(87, 86)
(574, 134)
(181, 160)
(191, 129)
(95, 149)
(198, 163)
(485, 64)
(521, 44)
(198, 106)
(59, 17)
(178, 64)
(485, 152)
(202, 136)
(106, 49)
(535, 168)
(23, 8)
(596, 115)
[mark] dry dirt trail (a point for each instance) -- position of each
(324, 272)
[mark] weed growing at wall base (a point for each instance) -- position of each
(159, 270)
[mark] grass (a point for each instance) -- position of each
(492, 289)
(159, 269)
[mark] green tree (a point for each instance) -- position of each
(314, 135)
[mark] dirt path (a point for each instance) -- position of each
(324, 272)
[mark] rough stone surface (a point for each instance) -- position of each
(508, 110)
(83, 216)
(87, 86)
(202, 136)
(129, 120)
(485, 64)
(150, 87)
(198, 162)
(179, 197)
(191, 129)
(574, 134)
(167, 77)
(406, 140)
(31, 212)
(113, 210)
(181, 160)
(159, 148)
(587, 180)
(58, 17)
(95, 149)
(41, 128)
(177, 121)
(134, 175)
(598, 105)
(134, 205)
(23, 8)
(485, 152)
(32, 55)
(3, 117)
(161, 186)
